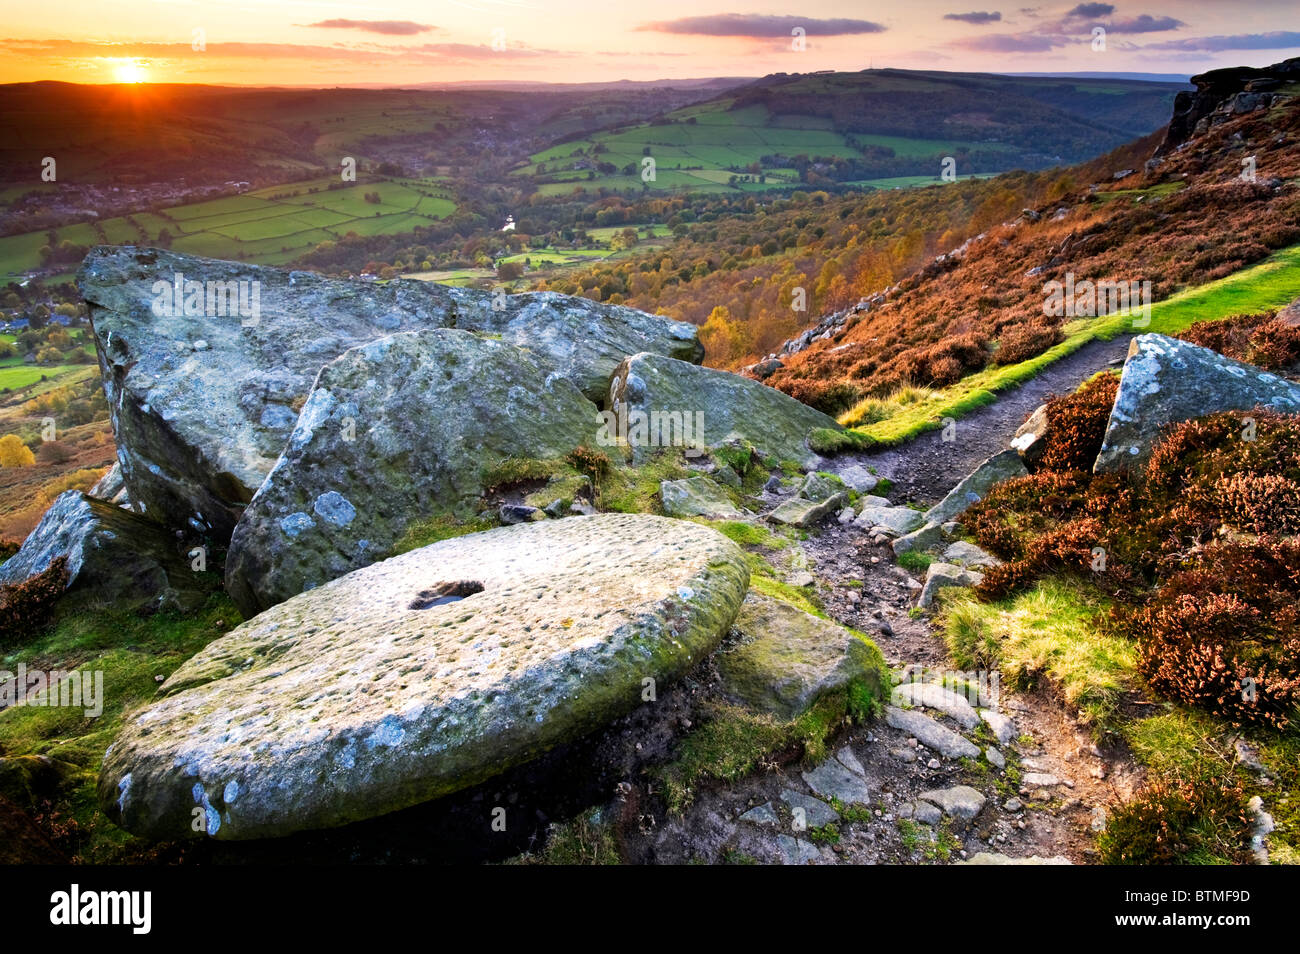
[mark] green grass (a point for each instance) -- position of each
(702, 155)
(762, 581)
(131, 651)
(268, 226)
(915, 560)
(14, 375)
(1268, 285)
(584, 840)
(733, 741)
(1050, 630)
(1186, 744)
(750, 534)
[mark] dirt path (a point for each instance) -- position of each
(926, 468)
(1051, 795)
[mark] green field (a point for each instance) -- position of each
(270, 226)
(700, 147)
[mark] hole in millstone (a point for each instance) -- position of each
(441, 593)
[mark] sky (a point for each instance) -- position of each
(400, 43)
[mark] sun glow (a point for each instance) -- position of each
(131, 71)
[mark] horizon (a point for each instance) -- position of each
(402, 44)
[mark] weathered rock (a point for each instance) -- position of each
(202, 403)
(930, 733)
(934, 696)
(111, 486)
(832, 780)
(395, 430)
(816, 813)
(927, 814)
(762, 815)
(974, 486)
(929, 535)
(796, 851)
(859, 478)
(798, 512)
(510, 514)
(113, 555)
(1166, 381)
(422, 675)
(786, 659)
(940, 575)
(960, 802)
(995, 758)
(1040, 780)
(968, 554)
(850, 761)
(650, 387)
(1003, 727)
(1029, 440)
(1290, 315)
(695, 497)
(897, 521)
(819, 487)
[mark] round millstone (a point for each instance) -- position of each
(422, 675)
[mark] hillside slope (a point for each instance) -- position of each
(1193, 214)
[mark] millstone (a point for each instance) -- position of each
(422, 675)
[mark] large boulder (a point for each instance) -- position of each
(203, 393)
(786, 659)
(114, 556)
(1166, 381)
(423, 675)
(658, 401)
(393, 431)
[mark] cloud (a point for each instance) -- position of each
(386, 27)
(761, 26)
(1277, 40)
(425, 54)
(1144, 23)
(978, 17)
(1091, 11)
(1012, 43)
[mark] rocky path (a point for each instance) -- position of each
(970, 771)
(926, 468)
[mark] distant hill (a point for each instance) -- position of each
(860, 127)
(964, 264)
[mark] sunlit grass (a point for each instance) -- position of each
(1268, 285)
(1049, 631)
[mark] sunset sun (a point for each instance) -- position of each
(132, 71)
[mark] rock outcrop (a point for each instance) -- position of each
(695, 497)
(204, 385)
(1166, 381)
(113, 555)
(1221, 94)
(675, 403)
(422, 675)
(786, 659)
(404, 427)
